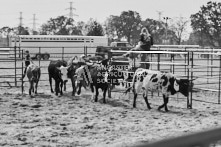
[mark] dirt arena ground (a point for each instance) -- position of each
(49, 120)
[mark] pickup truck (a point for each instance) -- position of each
(39, 56)
(120, 46)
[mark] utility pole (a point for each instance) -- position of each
(166, 18)
(71, 8)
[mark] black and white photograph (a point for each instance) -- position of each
(110, 73)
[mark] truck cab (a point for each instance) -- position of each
(121, 44)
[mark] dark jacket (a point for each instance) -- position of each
(27, 60)
(146, 42)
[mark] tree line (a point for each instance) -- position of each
(205, 24)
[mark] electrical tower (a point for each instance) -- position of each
(34, 24)
(159, 13)
(20, 20)
(71, 8)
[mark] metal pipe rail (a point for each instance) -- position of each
(150, 52)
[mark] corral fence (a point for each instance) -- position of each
(12, 65)
(203, 66)
(186, 61)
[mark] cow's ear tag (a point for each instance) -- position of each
(176, 85)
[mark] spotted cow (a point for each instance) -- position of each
(164, 82)
(33, 74)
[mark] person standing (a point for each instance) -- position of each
(144, 44)
(27, 63)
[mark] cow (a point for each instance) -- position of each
(98, 76)
(164, 82)
(72, 67)
(57, 70)
(75, 63)
(33, 74)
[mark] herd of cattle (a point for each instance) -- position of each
(101, 75)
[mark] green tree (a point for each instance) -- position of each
(20, 30)
(179, 26)
(94, 28)
(127, 25)
(59, 26)
(207, 23)
(112, 27)
(6, 31)
(79, 29)
(130, 25)
(156, 29)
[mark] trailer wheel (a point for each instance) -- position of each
(38, 57)
(46, 57)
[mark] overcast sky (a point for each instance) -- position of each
(96, 9)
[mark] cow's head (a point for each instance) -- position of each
(63, 73)
(184, 86)
(72, 69)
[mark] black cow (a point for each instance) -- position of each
(72, 74)
(97, 76)
(58, 71)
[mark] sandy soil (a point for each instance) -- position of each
(49, 120)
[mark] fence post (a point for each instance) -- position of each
(158, 61)
(219, 78)
(15, 66)
(185, 62)
(207, 67)
(188, 70)
(62, 53)
(84, 51)
(212, 63)
(191, 78)
(172, 61)
(22, 72)
(134, 63)
(39, 60)
(109, 85)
